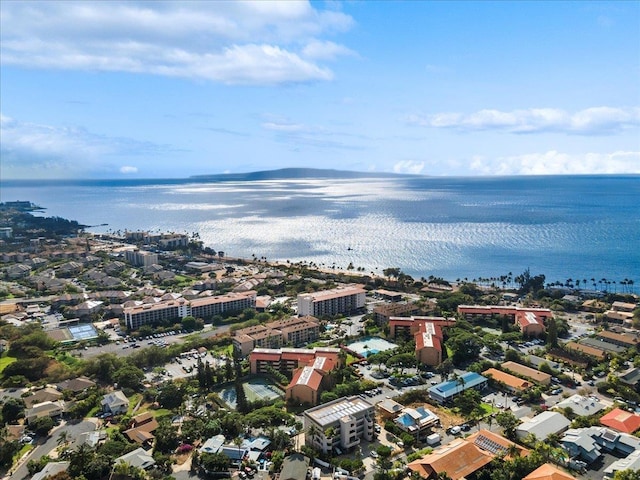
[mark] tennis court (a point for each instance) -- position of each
(254, 389)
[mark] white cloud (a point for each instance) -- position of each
(557, 163)
(31, 150)
(228, 42)
(590, 121)
(128, 169)
(408, 166)
(326, 50)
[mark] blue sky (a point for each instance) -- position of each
(172, 89)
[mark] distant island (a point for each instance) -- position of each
(296, 173)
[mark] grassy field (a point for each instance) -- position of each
(6, 361)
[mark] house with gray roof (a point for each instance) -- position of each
(581, 405)
(543, 425)
(115, 402)
(51, 469)
(139, 458)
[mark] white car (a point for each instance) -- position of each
(374, 454)
(455, 430)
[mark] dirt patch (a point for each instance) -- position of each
(180, 458)
(446, 416)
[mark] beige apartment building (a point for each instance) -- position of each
(204, 307)
(293, 331)
(345, 299)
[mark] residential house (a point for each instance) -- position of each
(44, 409)
(461, 458)
(548, 471)
(51, 469)
(75, 385)
(631, 377)
(417, 422)
(581, 406)
(138, 458)
(115, 402)
(141, 428)
(46, 394)
(542, 425)
(630, 462)
(621, 421)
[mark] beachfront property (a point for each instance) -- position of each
(461, 458)
(175, 309)
(339, 425)
(446, 391)
(141, 258)
(536, 376)
(286, 360)
(529, 320)
(542, 425)
(293, 331)
(345, 299)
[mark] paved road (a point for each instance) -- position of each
(46, 446)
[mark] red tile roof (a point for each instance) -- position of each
(622, 421)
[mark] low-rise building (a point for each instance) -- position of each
(589, 443)
(461, 458)
(630, 462)
(286, 360)
(548, 472)
(581, 406)
(542, 425)
(447, 391)
(529, 320)
(46, 394)
(621, 420)
(138, 458)
(294, 331)
(510, 382)
(44, 409)
(382, 313)
(115, 403)
(532, 374)
(626, 340)
(417, 421)
(305, 386)
(427, 333)
(339, 425)
(51, 469)
(141, 428)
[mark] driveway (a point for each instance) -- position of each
(45, 446)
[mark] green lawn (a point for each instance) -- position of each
(488, 409)
(351, 359)
(5, 361)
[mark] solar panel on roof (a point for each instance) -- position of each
(489, 445)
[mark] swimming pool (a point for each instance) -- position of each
(370, 345)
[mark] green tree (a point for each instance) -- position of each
(552, 332)
(627, 475)
(508, 421)
(42, 425)
(166, 437)
(214, 462)
(129, 376)
(12, 410)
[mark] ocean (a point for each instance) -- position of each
(578, 227)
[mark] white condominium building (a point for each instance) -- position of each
(339, 425)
